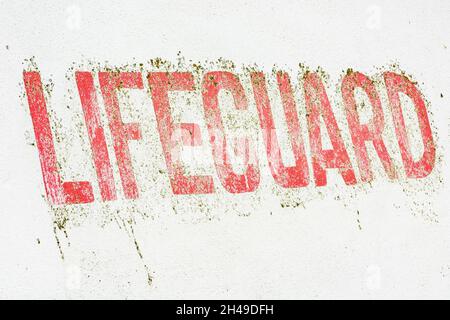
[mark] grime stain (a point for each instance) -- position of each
(358, 221)
(152, 175)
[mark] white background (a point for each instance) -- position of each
(244, 246)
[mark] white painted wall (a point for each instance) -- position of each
(237, 246)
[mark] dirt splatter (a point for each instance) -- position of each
(155, 195)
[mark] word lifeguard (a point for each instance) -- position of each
(188, 134)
